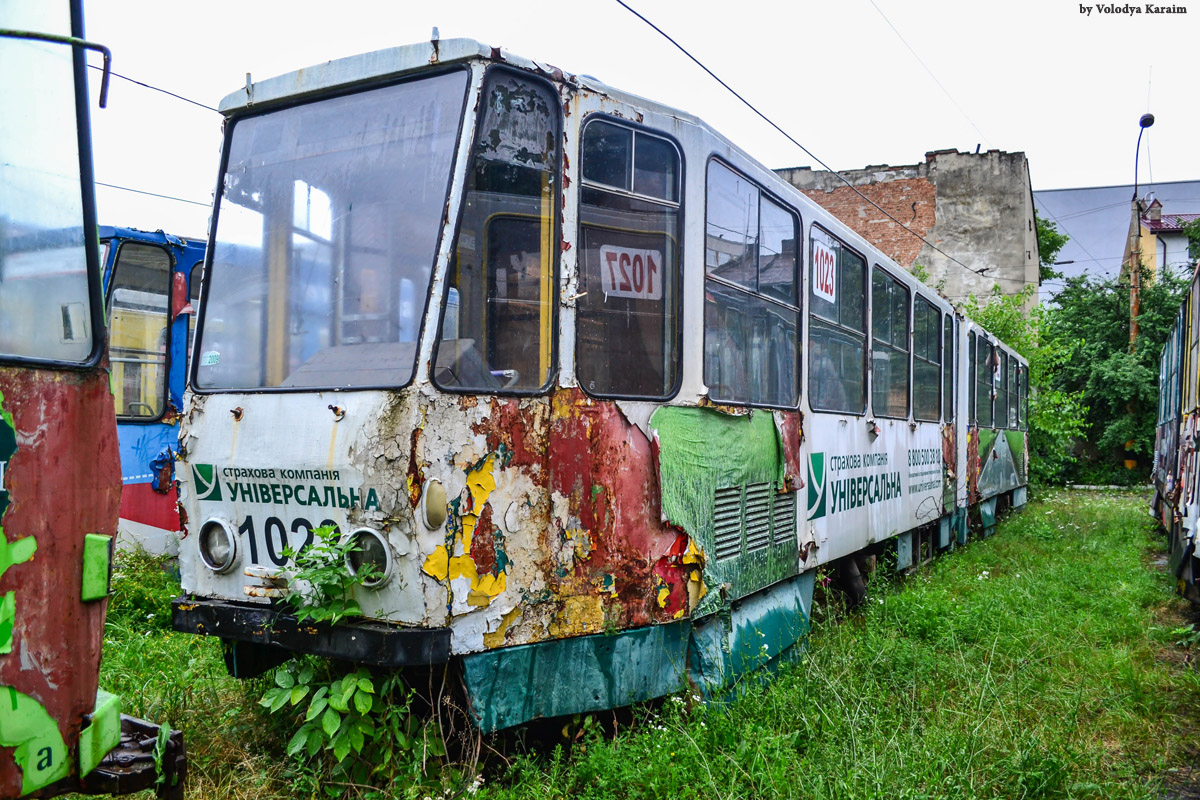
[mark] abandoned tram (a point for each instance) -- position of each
(593, 391)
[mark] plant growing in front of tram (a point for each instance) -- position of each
(321, 586)
(354, 727)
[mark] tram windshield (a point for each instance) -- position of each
(327, 227)
(44, 295)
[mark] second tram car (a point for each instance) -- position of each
(593, 391)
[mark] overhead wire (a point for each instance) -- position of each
(153, 194)
(157, 89)
(793, 140)
(920, 61)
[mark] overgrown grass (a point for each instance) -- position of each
(1032, 664)
(1044, 662)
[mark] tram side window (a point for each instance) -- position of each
(751, 307)
(502, 274)
(837, 331)
(1023, 397)
(927, 365)
(949, 365)
(972, 384)
(194, 279)
(889, 351)
(138, 330)
(1014, 398)
(984, 381)
(1001, 420)
(627, 323)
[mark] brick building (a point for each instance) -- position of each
(976, 207)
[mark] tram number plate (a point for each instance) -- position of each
(625, 272)
(824, 272)
(267, 539)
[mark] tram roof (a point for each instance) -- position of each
(396, 61)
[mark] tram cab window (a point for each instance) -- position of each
(627, 320)
(889, 351)
(837, 331)
(326, 233)
(985, 368)
(502, 273)
(138, 330)
(949, 366)
(927, 364)
(751, 307)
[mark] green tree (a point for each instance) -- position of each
(1050, 242)
(1119, 382)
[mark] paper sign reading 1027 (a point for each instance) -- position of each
(824, 272)
(625, 272)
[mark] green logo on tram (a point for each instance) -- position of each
(204, 477)
(816, 485)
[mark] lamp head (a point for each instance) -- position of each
(1146, 121)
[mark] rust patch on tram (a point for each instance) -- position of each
(616, 546)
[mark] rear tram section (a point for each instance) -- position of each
(1175, 503)
(593, 391)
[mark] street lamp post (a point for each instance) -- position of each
(1135, 232)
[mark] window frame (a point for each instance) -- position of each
(169, 324)
(555, 252)
(972, 382)
(230, 125)
(949, 366)
(728, 285)
(678, 273)
(940, 330)
(864, 335)
(896, 281)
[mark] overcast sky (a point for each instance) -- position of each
(858, 82)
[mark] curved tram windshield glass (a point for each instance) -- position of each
(326, 234)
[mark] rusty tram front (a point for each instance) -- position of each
(536, 345)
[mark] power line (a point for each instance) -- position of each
(153, 194)
(157, 89)
(927, 69)
(793, 140)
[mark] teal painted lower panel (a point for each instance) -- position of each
(944, 526)
(752, 635)
(960, 526)
(513, 685)
(987, 515)
(1019, 496)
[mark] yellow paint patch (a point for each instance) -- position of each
(448, 565)
(437, 565)
(496, 637)
(693, 554)
(582, 542)
(664, 593)
(580, 614)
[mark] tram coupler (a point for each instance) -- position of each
(141, 762)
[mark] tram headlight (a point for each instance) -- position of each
(433, 505)
(218, 545)
(371, 552)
